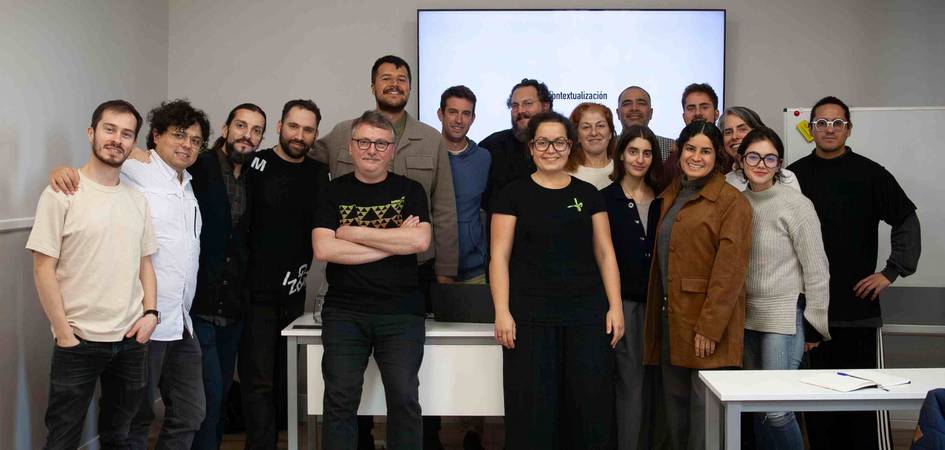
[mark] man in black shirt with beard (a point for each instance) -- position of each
(284, 187)
(510, 157)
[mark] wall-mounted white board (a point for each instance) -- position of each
(910, 144)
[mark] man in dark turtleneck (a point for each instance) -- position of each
(851, 194)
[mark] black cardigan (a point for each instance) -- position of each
(633, 247)
(224, 256)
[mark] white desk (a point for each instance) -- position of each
(461, 373)
(731, 392)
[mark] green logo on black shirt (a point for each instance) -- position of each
(577, 205)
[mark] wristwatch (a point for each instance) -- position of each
(155, 313)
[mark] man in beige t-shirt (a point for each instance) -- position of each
(93, 273)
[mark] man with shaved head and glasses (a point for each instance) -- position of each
(851, 194)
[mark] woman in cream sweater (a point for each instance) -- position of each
(787, 285)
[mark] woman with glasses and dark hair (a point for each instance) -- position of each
(556, 290)
(633, 212)
(695, 309)
(591, 159)
(736, 123)
(788, 279)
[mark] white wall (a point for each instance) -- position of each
(869, 53)
(58, 60)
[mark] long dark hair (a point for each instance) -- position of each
(654, 174)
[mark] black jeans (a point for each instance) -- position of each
(174, 372)
(559, 388)
(396, 341)
(262, 369)
(122, 369)
(849, 348)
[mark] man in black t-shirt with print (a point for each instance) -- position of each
(283, 188)
(369, 227)
(851, 194)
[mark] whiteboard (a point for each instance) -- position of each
(908, 142)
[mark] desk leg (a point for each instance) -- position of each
(733, 426)
(713, 423)
(292, 384)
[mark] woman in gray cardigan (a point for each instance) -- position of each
(787, 285)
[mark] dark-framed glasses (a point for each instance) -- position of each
(752, 159)
(823, 124)
(379, 145)
(560, 145)
(195, 141)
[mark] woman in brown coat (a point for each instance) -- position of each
(695, 310)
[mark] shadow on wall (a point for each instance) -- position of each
(25, 340)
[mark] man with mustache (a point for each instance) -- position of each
(177, 134)
(420, 154)
(851, 194)
(219, 183)
(510, 157)
(635, 108)
(283, 189)
(92, 267)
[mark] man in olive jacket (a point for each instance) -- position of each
(421, 155)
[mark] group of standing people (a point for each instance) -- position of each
(726, 259)
(619, 265)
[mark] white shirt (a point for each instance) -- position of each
(177, 225)
(736, 179)
(598, 176)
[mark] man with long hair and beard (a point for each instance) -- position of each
(219, 183)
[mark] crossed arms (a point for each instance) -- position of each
(360, 245)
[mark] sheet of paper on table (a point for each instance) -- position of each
(851, 380)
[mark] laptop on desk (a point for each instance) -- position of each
(462, 303)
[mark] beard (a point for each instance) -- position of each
(99, 152)
(391, 107)
(289, 150)
(520, 133)
(236, 157)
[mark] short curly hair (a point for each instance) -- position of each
(176, 113)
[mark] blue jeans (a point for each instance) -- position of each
(774, 351)
(397, 342)
(218, 345)
(121, 367)
(174, 372)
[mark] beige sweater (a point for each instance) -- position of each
(787, 259)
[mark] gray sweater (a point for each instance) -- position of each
(787, 259)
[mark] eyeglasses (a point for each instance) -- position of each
(180, 136)
(527, 104)
(752, 159)
(823, 124)
(543, 145)
(364, 144)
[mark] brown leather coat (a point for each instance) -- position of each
(709, 250)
